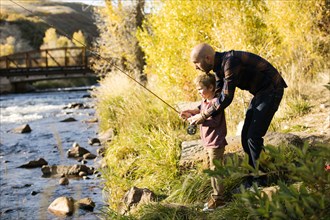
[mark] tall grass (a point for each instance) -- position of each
(146, 149)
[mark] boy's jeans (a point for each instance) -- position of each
(215, 154)
(257, 120)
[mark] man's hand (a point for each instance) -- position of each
(196, 119)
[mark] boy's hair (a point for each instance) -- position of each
(206, 79)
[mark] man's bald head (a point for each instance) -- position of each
(202, 56)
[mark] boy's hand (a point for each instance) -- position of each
(196, 119)
(188, 113)
(185, 114)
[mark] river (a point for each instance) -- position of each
(24, 193)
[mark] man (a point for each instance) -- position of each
(249, 72)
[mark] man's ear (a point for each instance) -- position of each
(208, 59)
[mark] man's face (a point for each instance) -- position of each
(202, 64)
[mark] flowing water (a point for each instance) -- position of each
(24, 193)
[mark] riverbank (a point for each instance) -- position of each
(25, 193)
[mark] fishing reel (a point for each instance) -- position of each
(191, 130)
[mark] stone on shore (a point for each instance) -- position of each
(134, 197)
(192, 151)
(62, 206)
(101, 151)
(106, 136)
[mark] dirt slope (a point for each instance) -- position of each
(29, 22)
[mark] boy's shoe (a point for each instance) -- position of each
(213, 204)
(252, 189)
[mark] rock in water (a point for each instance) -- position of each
(69, 120)
(35, 163)
(86, 204)
(62, 206)
(22, 129)
(64, 181)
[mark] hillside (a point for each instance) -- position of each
(315, 124)
(28, 25)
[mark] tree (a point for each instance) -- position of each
(8, 47)
(79, 39)
(118, 23)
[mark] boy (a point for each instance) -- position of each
(213, 132)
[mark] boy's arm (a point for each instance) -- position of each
(188, 113)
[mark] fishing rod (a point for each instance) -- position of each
(96, 54)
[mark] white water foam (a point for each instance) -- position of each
(27, 113)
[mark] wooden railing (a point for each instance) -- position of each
(56, 57)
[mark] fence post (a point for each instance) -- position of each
(27, 60)
(7, 62)
(65, 57)
(84, 57)
(46, 58)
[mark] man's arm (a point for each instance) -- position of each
(232, 69)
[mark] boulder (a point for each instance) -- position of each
(106, 136)
(87, 96)
(35, 163)
(70, 119)
(94, 141)
(66, 170)
(62, 206)
(192, 151)
(76, 151)
(63, 181)
(82, 173)
(134, 197)
(89, 156)
(22, 129)
(315, 140)
(92, 120)
(46, 170)
(75, 105)
(283, 139)
(101, 151)
(86, 204)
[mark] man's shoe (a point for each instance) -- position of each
(247, 185)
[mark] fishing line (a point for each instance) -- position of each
(97, 55)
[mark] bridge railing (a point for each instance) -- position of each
(56, 57)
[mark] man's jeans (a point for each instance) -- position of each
(257, 120)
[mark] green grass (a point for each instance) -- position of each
(146, 151)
